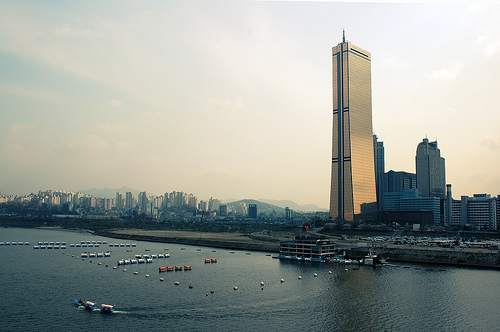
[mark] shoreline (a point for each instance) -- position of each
(419, 255)
(207, 242)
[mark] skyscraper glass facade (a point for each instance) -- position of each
(353, 174)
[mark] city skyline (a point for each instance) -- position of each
(233, 100)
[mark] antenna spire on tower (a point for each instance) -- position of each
(343, 35)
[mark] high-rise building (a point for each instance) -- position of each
(120, 201)
(143, 201)
(431, 176)
(396, 182)
(252, 211)
(129, 200)
(473, 213)
(379, 156)
(353, 174)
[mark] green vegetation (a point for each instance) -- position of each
(108, 224)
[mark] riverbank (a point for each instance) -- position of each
(215, 240)
(476, 258)
(440, 256)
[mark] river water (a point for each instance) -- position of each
(38, 289)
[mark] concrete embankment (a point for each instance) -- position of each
(444, 256)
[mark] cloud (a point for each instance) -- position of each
(226, 104)
(31, 92)
(91, 142)
(492, 48)
(114, 103)
(113, 128)
(18, 129)
(491, 143)
(70, 31)
(449, 73)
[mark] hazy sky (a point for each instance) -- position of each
(232, 99)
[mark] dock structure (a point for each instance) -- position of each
(307, 248)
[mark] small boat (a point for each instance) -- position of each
(79, 302)
(106, 308)
(90, 305)
(188, 267)
(162, 269)
(170, 268)
(178, 268)
(207, 260)
(213, 260)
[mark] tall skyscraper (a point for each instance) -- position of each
(353, 174)
(431, 176)
(379, 156)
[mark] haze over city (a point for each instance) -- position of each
(234, 99)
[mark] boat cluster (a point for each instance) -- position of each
(62, 244)
(21, 243)
(175, 268)
(87, 244)
(370, 259)
(122, 245)
(91, 306)
(94, 254)
(211, 260)
(143, 259)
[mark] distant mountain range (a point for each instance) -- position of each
(267, 205)
(262, 203)
(292, 205)
(108, 192)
